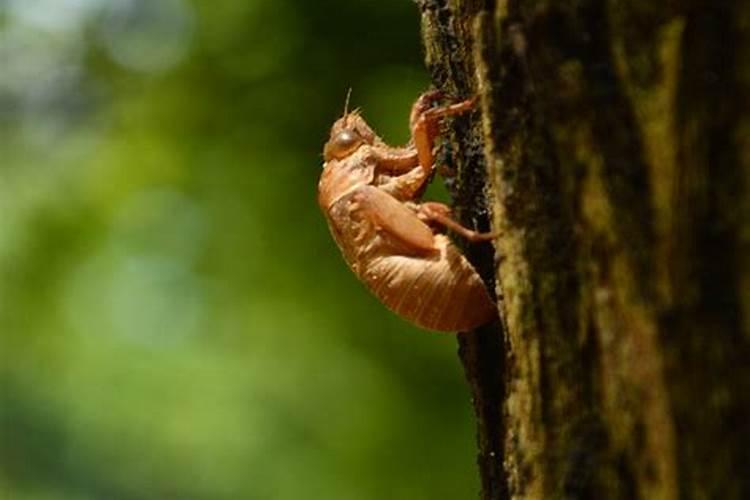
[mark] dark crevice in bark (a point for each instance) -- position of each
(581, 35)
(479, 352)
(617, 135)
(482, 352)
(711, 384)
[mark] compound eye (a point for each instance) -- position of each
(342, 145)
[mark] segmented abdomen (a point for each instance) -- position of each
(439, 292)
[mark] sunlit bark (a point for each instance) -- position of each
(613, 146)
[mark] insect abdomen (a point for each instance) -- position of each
(440, 292)
(436, 289)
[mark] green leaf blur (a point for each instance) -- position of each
(175, 320)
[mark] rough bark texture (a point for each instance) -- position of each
(614, 152)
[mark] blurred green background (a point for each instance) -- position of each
(175, 320)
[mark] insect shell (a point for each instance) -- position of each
(369, 194)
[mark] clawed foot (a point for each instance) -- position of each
(425, 111)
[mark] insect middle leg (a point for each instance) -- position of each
(398, 172)
(434, 212)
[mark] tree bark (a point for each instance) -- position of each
(612, 146)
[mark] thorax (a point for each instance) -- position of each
(342, 177)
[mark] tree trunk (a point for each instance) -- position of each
(614, 152)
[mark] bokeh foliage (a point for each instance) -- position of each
(175, 321)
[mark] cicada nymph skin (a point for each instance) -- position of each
(369, 193)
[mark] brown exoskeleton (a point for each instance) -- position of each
(369, 191)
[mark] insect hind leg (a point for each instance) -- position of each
(439, 213)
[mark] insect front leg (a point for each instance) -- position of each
(434, 212)
(415, 163)
(425, 121)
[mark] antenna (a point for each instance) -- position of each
(346, 102)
